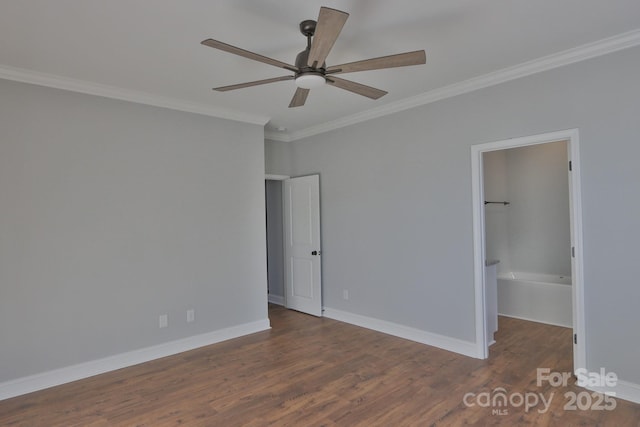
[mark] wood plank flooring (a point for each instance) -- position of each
(307, 371)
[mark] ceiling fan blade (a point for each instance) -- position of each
(299, 97)
(330, 23)
(245, 53)
(249, 84)
(360, 89)
(417, 57)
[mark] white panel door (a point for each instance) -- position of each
(301, 198)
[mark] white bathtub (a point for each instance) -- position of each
(539, 297)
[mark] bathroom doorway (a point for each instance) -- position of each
(487, 213)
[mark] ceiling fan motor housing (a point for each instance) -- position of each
(308, 77)
(302, 65)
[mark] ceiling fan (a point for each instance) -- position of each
(310, 70)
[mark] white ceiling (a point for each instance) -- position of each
(149, 50)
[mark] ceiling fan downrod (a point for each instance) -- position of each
(308, 77)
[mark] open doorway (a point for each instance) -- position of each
(485, 291)
(527, 231)
(275, 233)
(294, 266)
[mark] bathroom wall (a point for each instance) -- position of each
(495, 218)
(532, 233)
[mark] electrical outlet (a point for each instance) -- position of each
(191, 315)
(345, 294)
(163, 321)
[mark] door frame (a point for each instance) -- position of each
(575, 203)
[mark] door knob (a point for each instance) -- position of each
(316, 253)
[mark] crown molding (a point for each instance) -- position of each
(581, 53)
(81, 86)
(556, 60)
(273, 136)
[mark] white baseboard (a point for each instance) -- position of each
(276, 299)
(534, 320)
(56, 377)
(446, 343)
(622, 390)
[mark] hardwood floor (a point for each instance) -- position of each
(307, 371)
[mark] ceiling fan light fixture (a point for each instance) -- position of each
(310, 80)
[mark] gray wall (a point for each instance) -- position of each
(275, 235)
(277, 158)
(397, 211)
(113, 213)
(533, 232)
